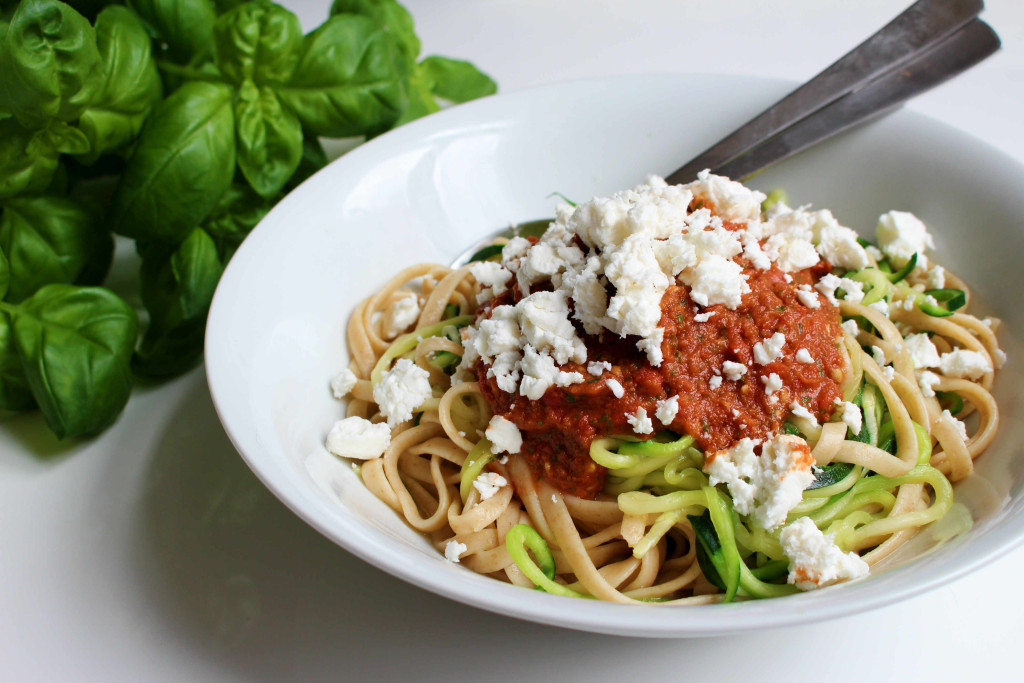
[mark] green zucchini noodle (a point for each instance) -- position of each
(660, 531)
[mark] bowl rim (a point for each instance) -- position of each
(485, 593)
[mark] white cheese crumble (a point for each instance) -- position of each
(900, 235)
(598, 368)
(703, 317)
(640, 422)
(958, 425)
(343, 383)
(400, 315)
(936, 277)
(963, 363)
(768, 486)
(453, 550)
(616, 388)
(804, 356)
(401, 390)
(770, 349)
(922, 351)
(853, 417)
(715, 381)
(357, 437)
(829, 283)
(878, 355)
(772, 383)
(493, 279)
(733, 371)
(489, 483)
(504, 435)
(881, 306)
(850, 327)
(800, 411)
(927, 381)
(667, 410)
(808, 297)
(815, 560)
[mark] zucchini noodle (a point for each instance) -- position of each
(661, 530)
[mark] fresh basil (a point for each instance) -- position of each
(49, 62)
(129, 86)
(75, 346)
(257, 42)
(177, 289)
(49, 239)
(268, 139)
(391, 16)
(350, 80)
(182, 28)
(456, 80)
(15, 394)
(183, 162)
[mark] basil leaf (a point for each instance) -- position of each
(391, 16)
(15, 395)
(237, 212)
(257, 41)
(5, 272)
(184, 27)
(421, 98)
(268, 139)
(183, 161)
(350, 79)
(456, 80)
(28, 160)
(129, 87)
(75, 344)
(49, 239)
(49, 62)
(177, 289)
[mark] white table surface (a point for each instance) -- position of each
(152, 554)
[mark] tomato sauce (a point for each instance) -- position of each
(558, 429)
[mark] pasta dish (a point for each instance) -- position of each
(683, 394)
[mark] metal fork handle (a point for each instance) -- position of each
(923, 28)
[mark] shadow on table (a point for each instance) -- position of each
(254, 590)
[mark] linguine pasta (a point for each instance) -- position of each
(869, 465)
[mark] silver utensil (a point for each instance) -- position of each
(927, 44)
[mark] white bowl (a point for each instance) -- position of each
(276, 332)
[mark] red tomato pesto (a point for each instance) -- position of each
(558, 429)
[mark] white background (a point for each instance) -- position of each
(152, 554)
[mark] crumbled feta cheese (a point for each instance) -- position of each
(493, 278)
(401, 390)
(815, 560)
(838, 246)
(733, 371)
(343, 383)
(829, 283)
(703, 317)
(936, 277)
(922, 351)
(715, 381)
(772, 383)
(357, 437)
(853, 417)
(616, 388)
(488, 483)
(504, 435)
(539, 373)
(850, 327)
(882, 306)
(958, 425)
(768, 486)
(453, 550)
(770, 349)
(640, 422)
(544, 319)
(927, 381)
(888, 373)
(597, 368)
(800, 411)
(717, 280)
(878, 355)
(964, 363)
(900, 235)
(790, 252)
(732, 200)
(565, 379)
(808, 297)
(804, 356)
(666, 410)
(400, 315)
